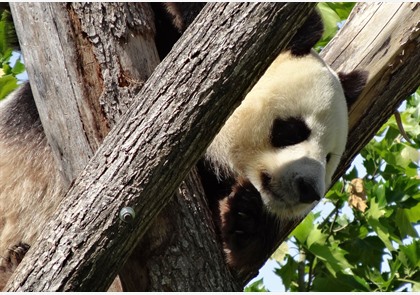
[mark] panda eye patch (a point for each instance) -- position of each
(288, 132)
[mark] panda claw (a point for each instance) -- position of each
(13, 257)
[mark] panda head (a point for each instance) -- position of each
(289, 133)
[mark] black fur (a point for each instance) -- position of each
(249, 231)
(171, 20)
(307, 35)
(288, 132)
(353, 84)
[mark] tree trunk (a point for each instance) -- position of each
(96, 58)
(85, 69)
(145, 157)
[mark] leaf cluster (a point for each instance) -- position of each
(8, 72)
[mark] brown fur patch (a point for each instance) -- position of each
(10, 262)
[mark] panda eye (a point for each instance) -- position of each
(328, 157)
(288, 132)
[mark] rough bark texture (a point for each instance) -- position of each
(145, 157)
(85, 68)
(99, 56)
(179, 252)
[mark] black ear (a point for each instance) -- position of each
(307, 35)
(353, 84)
(171, 20)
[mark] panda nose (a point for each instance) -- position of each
(307, 192)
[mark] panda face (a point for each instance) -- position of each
(288, 134)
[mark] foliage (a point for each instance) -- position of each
(257, 286)
(377, 249)
(332, 14)
(8, 73)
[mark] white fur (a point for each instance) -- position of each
(302, 87)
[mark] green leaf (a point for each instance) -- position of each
(377, 278)
(342, 9)
(343, 283)
(316, 236)
(404, 225)
(368, 251)
(18, 68)
(329, 18)
(416, 287)
(410, 255)
(380, 195)
(7, 34)
(375, 211)
(288, 272)
(302, 231)
(413, 214)
(382, 232)
(374, 214)
(351, 175)
(370, 165)
(332, 256)
(8, 83)
(257, 286)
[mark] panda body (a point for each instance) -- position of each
(308, 99)
(274, 158)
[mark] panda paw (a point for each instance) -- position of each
(243, 227)
(10, 262)
(13, 257)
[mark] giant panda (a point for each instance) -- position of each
(275, 156)
(272, 160)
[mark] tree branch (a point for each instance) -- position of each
(384, 39)
(139, 164)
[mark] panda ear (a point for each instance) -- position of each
(353, 84)
(307, 35)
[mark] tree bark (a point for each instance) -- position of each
(96, 58)
(145, 157)
(85, 69)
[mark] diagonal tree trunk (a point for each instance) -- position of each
(144, 158)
